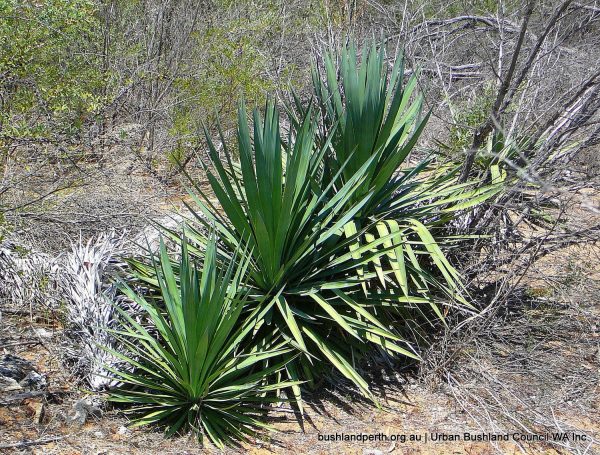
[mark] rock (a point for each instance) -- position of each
(16, 370)
(123, 430)
(84, 409)
(17, 373)
(9, 384)
(34, 381)
(12, 366)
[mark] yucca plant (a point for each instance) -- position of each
(300, 271)
(194, 370)
(340, 233)
(369, 115)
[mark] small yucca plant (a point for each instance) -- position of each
(192, 370)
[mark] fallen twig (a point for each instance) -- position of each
(18, 397)
(37, 442)
(20, 343)
(16, 312)
(23, 396)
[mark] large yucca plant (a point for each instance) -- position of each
(372, 118)
(300, 270)
(342, 236)
(194, 370)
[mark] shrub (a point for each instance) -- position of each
(298, 265)
(342, 238)
(51, 81)
(193, 370)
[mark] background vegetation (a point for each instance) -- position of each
(110, 110)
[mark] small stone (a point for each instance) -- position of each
(9, 384)
(123, 430)
(83, 409)
(34, 381)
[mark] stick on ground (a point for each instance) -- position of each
(37, 442)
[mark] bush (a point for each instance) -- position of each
(339, 232)
(49, 66)
(342, 239)
(194, 371)
(300, 270)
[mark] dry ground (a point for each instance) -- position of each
(533, 366)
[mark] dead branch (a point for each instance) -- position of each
(532, 55)
(19, 397)
(26, 443)
(484, 130)
(486, 20)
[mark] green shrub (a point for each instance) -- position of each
(49, 67)
(194, 371)
(369, 114)
(271, 205)
(342, 239)
(342, 251)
